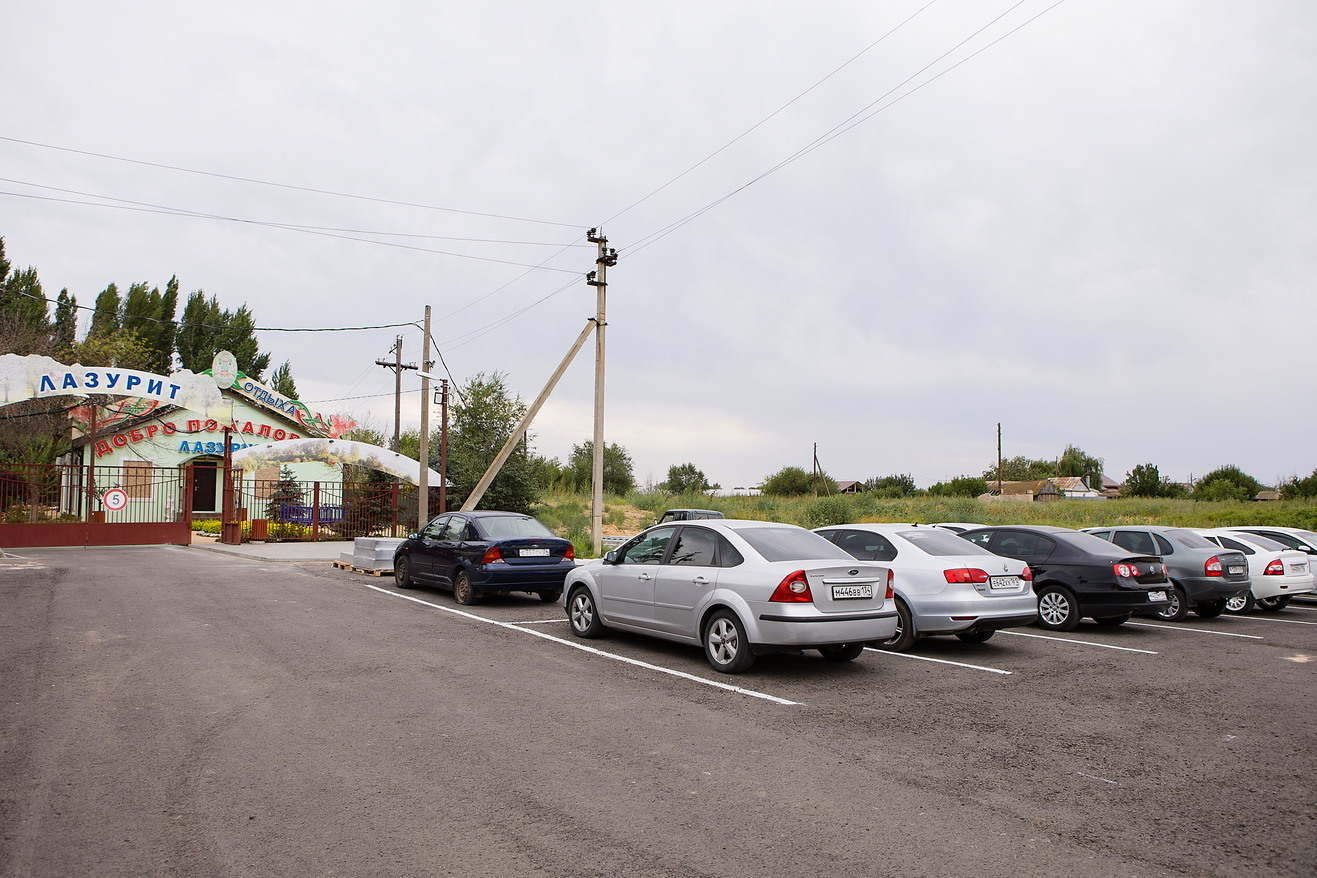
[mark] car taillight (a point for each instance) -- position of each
(491, 555)
(1125, 570)
(1212, 567)
(1275, 568)
(965, 574)
(1027, 575)
(570, 554)
(890, 577)
(793, 590)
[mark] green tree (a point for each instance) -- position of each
(1300, 488)
(792, 481)
(22, 299)
(1021, 469)
(618, 475)
(484, 416)
(1226, 483)
(686, 478)
(1075, 462)
(281, 382)
(892, 486)
(205, 329)
(149, 314)
(961, 486)
(64, 332)
(1145, 480)
(107, 318)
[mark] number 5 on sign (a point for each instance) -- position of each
(115, 499)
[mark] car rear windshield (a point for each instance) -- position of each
(936, 542)
(790, 544)
(512, 527)
(1191, 540)
(1261, 542)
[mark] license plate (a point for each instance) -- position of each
(851, 592)
(1004, 582)
(1299, 568)
(1236, 570)
(1154, 596)
(534, 553)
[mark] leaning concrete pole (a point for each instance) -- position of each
(488, 478)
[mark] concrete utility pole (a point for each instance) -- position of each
(423, 500)
(397, 367)
(599, 280)
(443, 450)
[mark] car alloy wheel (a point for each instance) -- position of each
(725, 644)
(1057, 609)
(1272, 605)
(581, 613)
(905, 635)
(1240, 605)
(1177, 606)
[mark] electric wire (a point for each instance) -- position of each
(287, 185)
(771, 115)
(848, 124)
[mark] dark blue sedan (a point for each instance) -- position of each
(478, 553)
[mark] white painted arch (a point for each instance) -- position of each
(334, 452)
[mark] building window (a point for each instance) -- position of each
(138, 479)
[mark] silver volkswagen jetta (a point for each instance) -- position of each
(738, 588)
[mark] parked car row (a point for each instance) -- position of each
(740, 589)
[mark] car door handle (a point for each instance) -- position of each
(644, 576)
(700, 580)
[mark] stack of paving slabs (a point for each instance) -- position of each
(371, 553)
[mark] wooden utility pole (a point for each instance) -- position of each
(397, 367)
(999, 458)
(599, 280)
(423, 500)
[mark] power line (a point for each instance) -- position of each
(93, 309)
(286, 185)
(771, 115)
(849, 123)
(141, 207)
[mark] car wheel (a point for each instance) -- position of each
(1113, 621)
(1272, 605)
(725, 644)
(1240, 606)
(1177, 607)
(847, 652)
(976, 636)
(1210, 609)
(402, 574)
(905, 635)
(551, 597)
(463, 593)
(1057, 608)
(582, 615)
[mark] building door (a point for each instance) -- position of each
(204, 480)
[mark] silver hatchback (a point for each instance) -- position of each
(738, 588)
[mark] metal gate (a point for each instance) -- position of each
(289, 510)
(66, 505)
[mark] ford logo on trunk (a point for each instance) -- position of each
(853, 572)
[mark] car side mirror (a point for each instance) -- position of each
(611, 557)
(413, 537)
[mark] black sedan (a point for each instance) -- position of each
(478, 553)
(1077, 574)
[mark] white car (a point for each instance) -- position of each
(1277, 571)
(738, 588)
(943, 584)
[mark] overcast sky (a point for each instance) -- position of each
(1097, 231)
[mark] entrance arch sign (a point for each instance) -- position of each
(334, 452)
(36, 377)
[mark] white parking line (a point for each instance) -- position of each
(739, 690)
(1197, 630)
(925, 658)
(1269, 619)
(1080, 642)
(540, 622)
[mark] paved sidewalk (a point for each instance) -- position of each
(321, 551)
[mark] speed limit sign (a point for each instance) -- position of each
(115, 499)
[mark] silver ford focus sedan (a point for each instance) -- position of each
(738, 588)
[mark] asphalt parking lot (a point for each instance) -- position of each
(169, 711)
